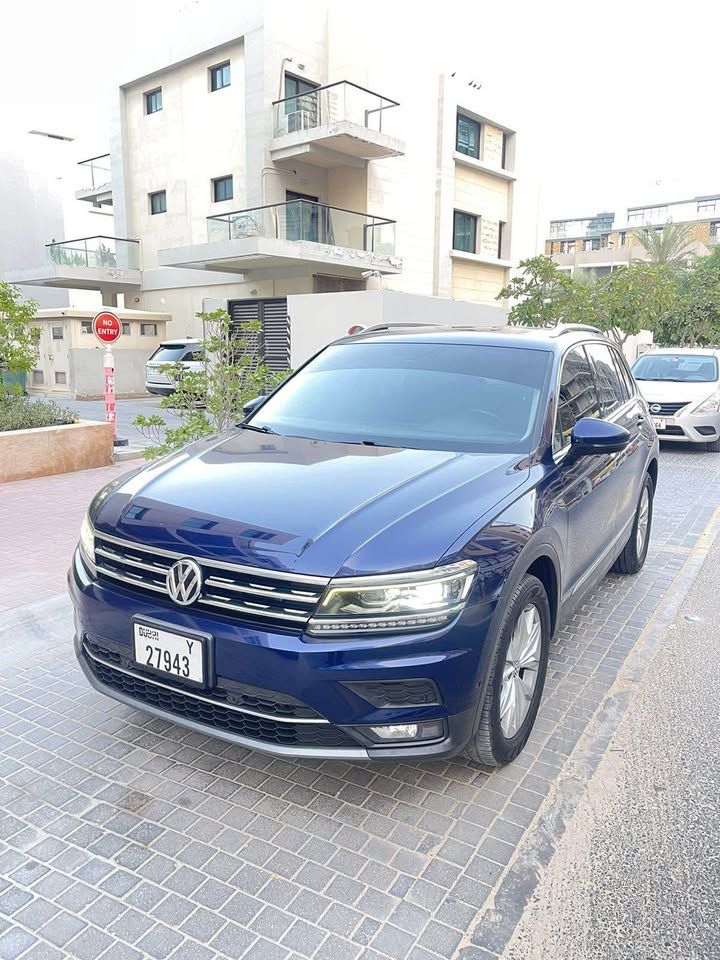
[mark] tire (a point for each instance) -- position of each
(496, 740)
(632, 558)
(713, 446)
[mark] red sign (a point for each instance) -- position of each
(106, 327)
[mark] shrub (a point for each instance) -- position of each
(22, 413)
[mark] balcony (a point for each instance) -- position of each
(340, 124)
(294, 236)
(97, 176)
(108, 264)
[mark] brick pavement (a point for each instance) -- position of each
(124, 836)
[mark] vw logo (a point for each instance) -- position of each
(184, 581)
(655, 408)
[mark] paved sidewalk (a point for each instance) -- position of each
(39, 526)
(124, 837)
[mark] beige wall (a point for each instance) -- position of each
(487, 197)
(476, 281)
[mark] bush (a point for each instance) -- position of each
(22, 413)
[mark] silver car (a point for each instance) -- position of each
(682, 389)
(188, 353)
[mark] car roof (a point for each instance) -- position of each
(554, 339)
(176, 340)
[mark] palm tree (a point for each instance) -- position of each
(669, 244)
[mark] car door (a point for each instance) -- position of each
(584, 485)
(621, 406)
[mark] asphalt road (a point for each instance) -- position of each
(636, 874)
(126, 411)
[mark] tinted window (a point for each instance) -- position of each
(464, 231)
(625, 374)
(467, 138)
(194, 355)
(169, 352)
(577, 398)
(610, 389)
(220, 76)
(679, 367)
(428, 396)
(153, 101)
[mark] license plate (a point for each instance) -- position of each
(660, 424)
(175, 655)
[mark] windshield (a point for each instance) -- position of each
(427, 396)
(169, 352)
(680, 367)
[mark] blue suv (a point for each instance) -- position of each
(373, 563)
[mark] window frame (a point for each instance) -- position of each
(125, 328)
(38, 378)
(475, 223)
(147, 95)
(151, 196)
(63, 382)
(460, 116)
(213, 72)
(148, 324)
(86, 327)
(214, 185)
(610, 413)
(559, 453)
(53, 334)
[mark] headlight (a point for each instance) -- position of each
(394, 603)
(87, 542)
(710, 404)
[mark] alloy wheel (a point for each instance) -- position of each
(643, 522)
(520, 671)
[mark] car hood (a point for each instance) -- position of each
(668, 391)
(308, 505)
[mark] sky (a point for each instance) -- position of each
(614, 102)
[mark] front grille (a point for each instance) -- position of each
(671, 430)
(280, 705)
(252, 594)
(667, 409)
(203, 710)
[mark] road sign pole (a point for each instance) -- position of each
(107, 328)
(109, 369)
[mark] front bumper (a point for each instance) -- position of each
(690, 427)
(309, 673)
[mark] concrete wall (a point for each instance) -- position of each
(86, 373)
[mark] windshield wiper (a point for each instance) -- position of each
(251, 426)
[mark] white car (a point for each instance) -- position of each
(682, 389)
(188, 353)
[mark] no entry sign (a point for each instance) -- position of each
(106, 327)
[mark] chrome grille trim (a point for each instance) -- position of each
(196, 696)
(252, 593)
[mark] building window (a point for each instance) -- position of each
(37, 378)
(623, 238)
(467, 136)
(503, 159)
(125, 329)
(60, 377)
(222, 189)
(635, 216)
(567, 246)
(593, 244)
(220, 76)
(148, 329)
(297, 95)
(86, 326)
(153, 101)
(501, 240)
(158, 202)
(57, 333)
(715, 231)
(464, 231)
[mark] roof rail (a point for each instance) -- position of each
(572, 327)
(390, 326)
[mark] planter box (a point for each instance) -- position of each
(42, 451)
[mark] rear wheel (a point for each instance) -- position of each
(516, 679)
(632, 559)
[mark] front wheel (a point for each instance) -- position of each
(632, 559)
(516, 679)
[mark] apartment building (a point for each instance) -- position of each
(601, 244)
(289, 160)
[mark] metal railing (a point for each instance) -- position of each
(96, 252)
(332, 103)
(99, 168)
(309, 221)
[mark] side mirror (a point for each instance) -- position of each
(590, 437)
(252, 405)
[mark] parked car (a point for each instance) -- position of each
(373, 564)
(682, 388)
(188, 353)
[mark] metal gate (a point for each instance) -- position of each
(272, 343)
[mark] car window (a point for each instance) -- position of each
(577, 397)
(169, 352)
(677, 367)
(422, 395)
(610, 388)
(624, 372)
(195, 356)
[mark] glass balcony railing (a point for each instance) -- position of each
(306, 220)
(96, 172)
(326, 105)
(96, 252)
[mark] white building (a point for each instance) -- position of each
(291, 160)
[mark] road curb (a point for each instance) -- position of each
(493, 929)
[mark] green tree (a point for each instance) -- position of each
(634, 298)
(694, 319)
(670, 244)
(210, 400)
(543, 296)
(18, 339)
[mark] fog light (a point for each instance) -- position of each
(425, 730)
